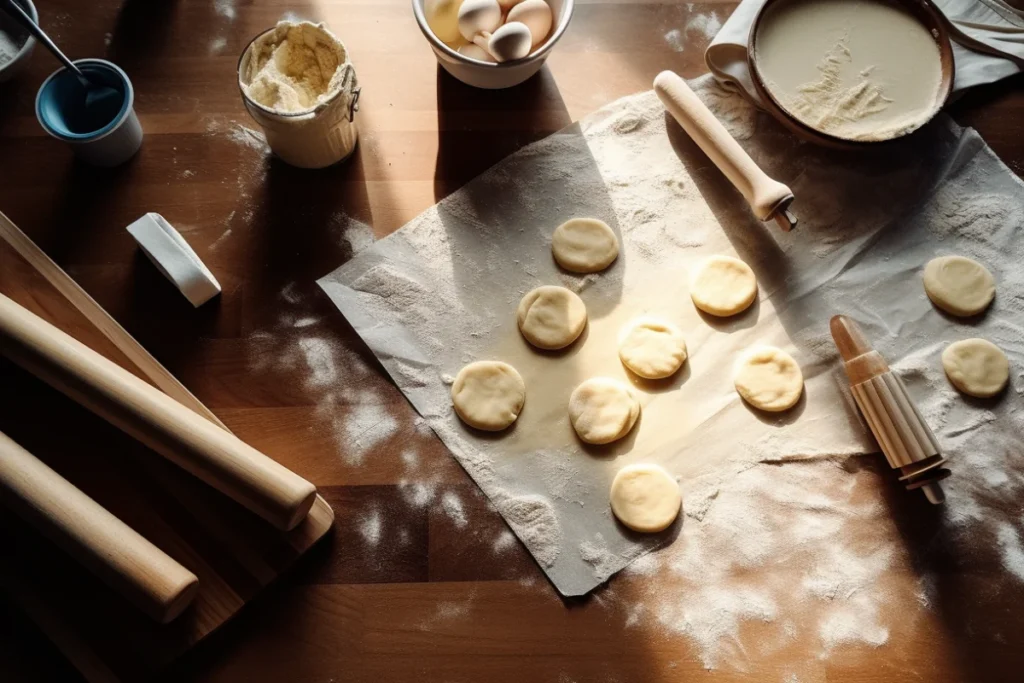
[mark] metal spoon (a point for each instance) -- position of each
(97, 93)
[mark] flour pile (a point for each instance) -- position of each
(294, 67)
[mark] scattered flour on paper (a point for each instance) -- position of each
(776, 546)
(534, 521)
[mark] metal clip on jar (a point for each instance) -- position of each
(313, 138)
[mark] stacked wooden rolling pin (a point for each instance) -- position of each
(119, 556)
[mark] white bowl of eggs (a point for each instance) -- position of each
(492, 43)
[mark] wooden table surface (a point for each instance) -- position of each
(401, 591)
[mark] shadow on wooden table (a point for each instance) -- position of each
(477, 128)
(965, 583)
(477, 609)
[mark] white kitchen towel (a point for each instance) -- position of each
(988, 44)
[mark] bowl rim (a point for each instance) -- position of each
(568, 6)
(923, 11)
(30, 42)
(96, 135)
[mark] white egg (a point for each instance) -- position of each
(506, 5)
(443, 18)
(511, 41)
(536, 14)
(476, 52)
(478, 16)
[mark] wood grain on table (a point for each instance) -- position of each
(400, 591)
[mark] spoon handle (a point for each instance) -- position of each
(22, 17)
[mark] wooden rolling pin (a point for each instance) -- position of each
(904, 436)
(768, 199)
(138, 570)
(212, 454)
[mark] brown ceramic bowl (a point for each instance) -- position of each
(925, 13)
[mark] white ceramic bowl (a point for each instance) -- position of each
(496, 76)
(20, 61)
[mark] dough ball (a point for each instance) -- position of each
(769, 379)
(645, 498)
(584, 245)
(551, 317)
(652, 349)
(723, 286)
(488, 395)
(603, 410)
(958, 285)
(976, 367)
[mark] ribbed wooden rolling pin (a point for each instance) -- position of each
(212, 454)
(768, 199)
(902, 433)
(138, 570)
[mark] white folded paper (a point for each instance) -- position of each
(988, 44)
(172, 256)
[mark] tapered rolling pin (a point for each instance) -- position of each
(106, 546)
(768, 199)
(906, 440)
(212, 454)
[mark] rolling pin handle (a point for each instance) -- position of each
(768, 199)
(212, 454)
(110, 549)
(934, 493)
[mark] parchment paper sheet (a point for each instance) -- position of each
(442, 292)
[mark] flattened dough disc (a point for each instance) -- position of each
(976, 367)
(551, 317)
(584, 245)
(769, 379)
(645, 498)
(652, 348)
(603, 410)
(958, 285)
(723, 286)
(488, 395)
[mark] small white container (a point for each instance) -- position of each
(316, 138)
(110, 145)
(491, 75)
